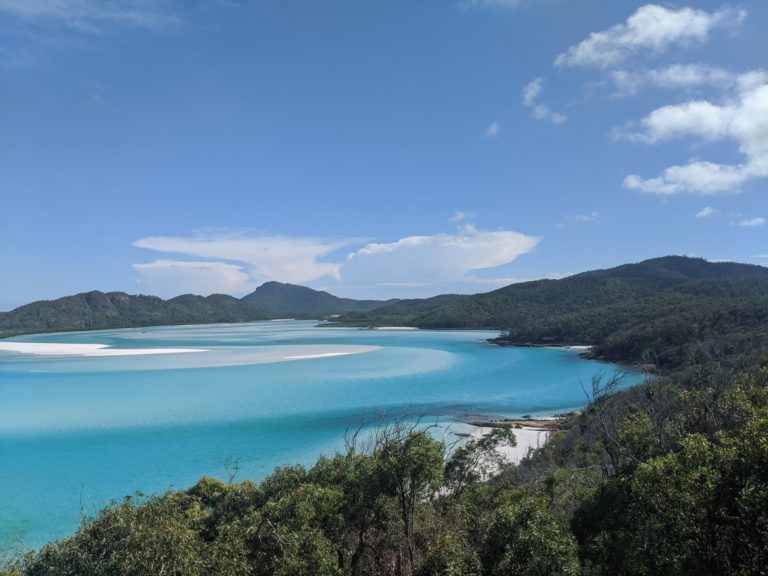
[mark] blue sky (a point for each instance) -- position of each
(373, 149)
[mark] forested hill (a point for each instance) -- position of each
(656, 307)
(299, 301)
(98, 310)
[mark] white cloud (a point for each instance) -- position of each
(435, 260)
(414, 265)
(705, 212)
(283, 258)
(674, 77)
(461, 215)
(89, 15)
(588, 217)
(752, 222)
(651, 28)
(532, 91)
(167, 278)
(744, 120)
(493, 130)
(531, 94)
(585, 218)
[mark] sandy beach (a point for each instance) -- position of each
(528, 438)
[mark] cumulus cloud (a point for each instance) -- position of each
(168, 278)
(743, 119)
(751, 222)
(651, 28)
(437, 259)
(705, 212)
(90, 15)
(283, 258)
(531, 94)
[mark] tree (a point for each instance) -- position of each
(411, 463)
(524, 539)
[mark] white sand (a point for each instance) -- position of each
(217, 356)
(527, 439)
(323, 355)
(395, 328)
(51, 349)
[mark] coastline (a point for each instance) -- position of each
(530, 433)
(527, 441)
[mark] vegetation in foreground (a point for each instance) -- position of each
(670, 477)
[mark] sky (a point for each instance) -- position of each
(373, 149)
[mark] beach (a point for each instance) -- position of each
(528, 439)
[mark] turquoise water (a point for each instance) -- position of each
(77, 432)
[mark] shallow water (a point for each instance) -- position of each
(78, 431)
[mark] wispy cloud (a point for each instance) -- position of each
(583, 218)
(751, 222)
(264, 257)
(743, 120)
(462, 215)
(91, 15)
(588, 217)
(531, 95)
(652, 28)
(493, 130)
(673, 77)
(235, 263)
(706, 212)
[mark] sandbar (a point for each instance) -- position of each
(322, 355)
(60, 349)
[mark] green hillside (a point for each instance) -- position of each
(281, 299)
(98, 310)
(652, 309)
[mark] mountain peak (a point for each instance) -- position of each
(294, 300)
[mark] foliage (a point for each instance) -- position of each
(652, 312)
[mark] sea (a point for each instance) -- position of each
(87, 418)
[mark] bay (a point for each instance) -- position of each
(82, 425)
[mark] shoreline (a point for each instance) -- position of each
(553, 423)
(531, 434)
(527, 440)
